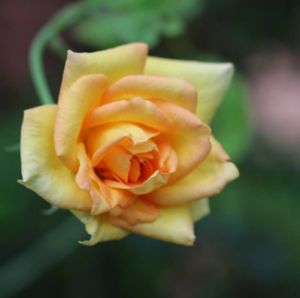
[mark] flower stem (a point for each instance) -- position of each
(63, 19)
(58, 46)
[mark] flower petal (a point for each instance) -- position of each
(156, 180)
(140, 211)
(88, 180)
(42, 171)
(114, 63)
(208, 179)
(174, 224)
(190, 139)
(133, 138)
(136, 110)
(73, 107)
(174, 90)
(103, 197)
(200, 209)
(210, 80)
(168, 160)
(99, 229)
(117, 160)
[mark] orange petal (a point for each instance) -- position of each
(135, 171)
(132, 137)
(104, 198)
(73, 107)
(190, 139)
(174, 90)
(211, 80)
(155, 181)
(168, 160)
(88, 180)
(42, 171)
(208, 179)
(117, 160)
(114, 63)
(140, 211)
(136, 110)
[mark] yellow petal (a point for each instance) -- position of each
(73, 107)
(99, 229)
(174, 224)
(135, 110)
(211, 80)
(200, 209)
(42, 171)
(189, 139)
(114, 63)
(174, 90)
(208, 179)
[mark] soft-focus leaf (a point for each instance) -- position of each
(123, 29)
(231, 124)
(29, 265)
(132, 20)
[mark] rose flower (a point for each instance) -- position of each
(127, 148)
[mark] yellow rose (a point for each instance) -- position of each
(128, 147)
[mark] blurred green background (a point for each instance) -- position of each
(250, 244)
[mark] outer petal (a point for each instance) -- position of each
(99, 229)
(200, 209)
(114, 63)
(73, 107)
(140, 211)
(174, 224)
(174, 90)
(206, 180)
(42, 171)
(210, 79)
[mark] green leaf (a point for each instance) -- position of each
(117, 22)
(122, 29)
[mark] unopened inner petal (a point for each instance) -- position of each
(117, 160)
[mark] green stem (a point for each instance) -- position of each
(63, 19)
(58, 46)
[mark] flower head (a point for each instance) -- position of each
(128, 147)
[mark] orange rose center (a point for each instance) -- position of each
(121, 165)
